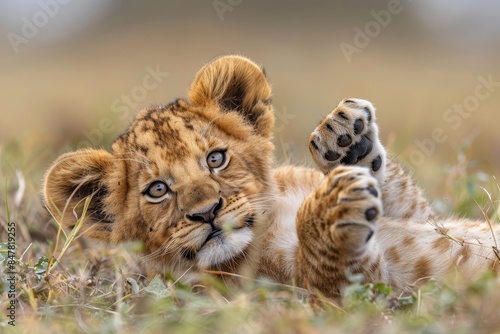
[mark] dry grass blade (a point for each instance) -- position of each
(486, 216)
(6, 201)
(70, 237)
(18, 198)
(444, 232)
(7, 212)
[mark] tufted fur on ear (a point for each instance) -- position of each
(75, 176)
(236, 84)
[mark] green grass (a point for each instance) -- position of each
(68, 284)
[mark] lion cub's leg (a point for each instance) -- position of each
(349, 136)
(335, 227)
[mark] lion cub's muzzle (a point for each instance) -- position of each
(206, 215)
(200, 201)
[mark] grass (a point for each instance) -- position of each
(68, 284)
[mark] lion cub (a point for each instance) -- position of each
(194, 181)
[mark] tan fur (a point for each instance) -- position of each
(366, 216)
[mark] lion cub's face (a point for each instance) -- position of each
(196, 188)
(189, 179)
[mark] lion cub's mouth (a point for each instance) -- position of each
(222, 244)
(213, 234)
(217, 232)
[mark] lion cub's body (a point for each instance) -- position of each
(194, 181)
(406, 250)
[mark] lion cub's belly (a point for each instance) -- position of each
(279, 237)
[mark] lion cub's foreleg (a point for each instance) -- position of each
(335, 225)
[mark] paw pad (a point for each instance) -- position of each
(371, 214)
(344, 140)
(331, 156)
(372, 191)
(358, 126)
(377, 163)
(358, 151)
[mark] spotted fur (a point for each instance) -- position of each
(194, 182)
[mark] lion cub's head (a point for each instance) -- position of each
(187, 179)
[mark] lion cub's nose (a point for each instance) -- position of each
(206, 215)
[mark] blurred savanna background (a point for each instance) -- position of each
(74, 72)
(68, 66)
(415, 60)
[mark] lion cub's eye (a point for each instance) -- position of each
(156, 191)
(216, 159)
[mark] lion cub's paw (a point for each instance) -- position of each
(353, 206)
(349, 136)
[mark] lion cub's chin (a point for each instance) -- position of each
(224, 247)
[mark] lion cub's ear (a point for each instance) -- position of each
(71, 179)
(236, 84)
